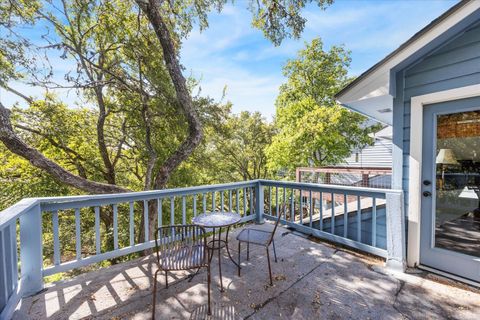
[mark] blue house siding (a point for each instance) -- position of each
(453, 65)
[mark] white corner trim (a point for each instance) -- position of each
(415, 160)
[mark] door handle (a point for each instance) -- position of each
(427, 193)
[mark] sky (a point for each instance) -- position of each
(231, 54)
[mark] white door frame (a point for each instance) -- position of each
(415, 160)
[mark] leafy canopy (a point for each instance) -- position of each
(313, 128)
(238, 147)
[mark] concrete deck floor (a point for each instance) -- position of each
(313, 280)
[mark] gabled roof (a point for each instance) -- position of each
(372, 92)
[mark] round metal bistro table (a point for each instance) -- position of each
(214, 221)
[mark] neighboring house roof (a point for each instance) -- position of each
(372, 92)
(378, 155)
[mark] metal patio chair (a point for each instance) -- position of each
(181, 247)
(260, 238)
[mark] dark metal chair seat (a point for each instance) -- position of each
(182, 258)
(255, 236)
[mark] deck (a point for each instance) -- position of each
(312, 280)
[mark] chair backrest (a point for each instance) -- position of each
(281, 212)
(176, 236)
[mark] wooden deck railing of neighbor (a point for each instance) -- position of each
(374, 224)
(358, 177)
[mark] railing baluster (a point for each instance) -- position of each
(321, 210)
(56, 239)
(221, 201)
(270, 212)
(237, 202)
(245, 202)
(359, 220)
(115, 226)
(97, 230)
(7, 248)
(184, 210)
(292, 206)
(301, 207)
(311, 208)
(374, 221)
(332, 219)
(194, 205)
(284, 203)
(230, 200)
(251, 201)
(204, 203)
(160, 212)
(276, 201)
(131, 224)
(213, 201)
(4, 292)
(172, 211)
(345, 216)
(145, 220)
(78, 238)
(13, 238)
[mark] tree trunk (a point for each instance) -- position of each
(185, 104)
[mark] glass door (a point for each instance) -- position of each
(450, 225)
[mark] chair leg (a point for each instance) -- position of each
(209, 311)
(274, 251)
(154, 293)
(166, 279)
(248, 251)
(269, 268)
(239, 243)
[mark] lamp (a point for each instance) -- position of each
(445, 157)
(471, 193)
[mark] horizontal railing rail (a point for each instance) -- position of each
(36, 233)
(328, 188)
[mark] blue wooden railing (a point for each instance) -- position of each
(375, 226)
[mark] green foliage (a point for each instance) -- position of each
(313, 129)
(315, 73)
(237, 148)
(279, 19)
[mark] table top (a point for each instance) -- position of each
(217, 219)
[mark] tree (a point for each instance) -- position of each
(126, 67)
(238, 147)
(313, 129)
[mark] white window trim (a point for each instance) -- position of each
(415, 161)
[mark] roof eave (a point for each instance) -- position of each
(404, 46)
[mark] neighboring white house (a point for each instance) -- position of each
(378, 155)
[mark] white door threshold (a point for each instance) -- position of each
(450, 276)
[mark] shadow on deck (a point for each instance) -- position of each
(311, 281)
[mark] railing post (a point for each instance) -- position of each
(396, 251)
(31, 255)
(259, 202)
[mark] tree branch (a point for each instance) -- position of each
(16, 145)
